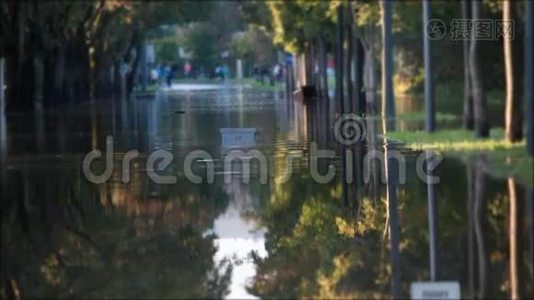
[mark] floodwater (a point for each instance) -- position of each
(65, 236)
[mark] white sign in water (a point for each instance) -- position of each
(435, 290)
(239, 137)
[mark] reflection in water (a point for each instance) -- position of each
(513, 237)
(432, 216)
(287, 238)
(530, 212)
(3, 146)
(479, 187)
(392, 171)
(239, 239)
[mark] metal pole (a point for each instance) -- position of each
(429, 84)
(2, 94)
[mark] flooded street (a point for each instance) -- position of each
(285, 237)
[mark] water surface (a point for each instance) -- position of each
(63, 236)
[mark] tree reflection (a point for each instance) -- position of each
(319, 248)
(69, 238)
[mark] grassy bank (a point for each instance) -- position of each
(504, 159)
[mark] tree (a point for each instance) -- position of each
(200, 40)
(467, 119)
(367, 16)
(513, 118)
(340, 87)
(63, 51)
(297, 27)
(479, 93)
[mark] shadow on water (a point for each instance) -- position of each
(372, 230)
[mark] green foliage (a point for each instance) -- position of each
(166, 49)
(296, 23)
(200, 40)
(254, 46)
(367, 12)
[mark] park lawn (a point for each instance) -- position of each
(504, 159)
(278, 86)
(417, 117)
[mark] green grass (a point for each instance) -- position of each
(504, 159)
(418, 117)
(259, 86)
(149, 88)
(245, 81)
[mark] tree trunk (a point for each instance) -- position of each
(339, 61)
(513, 120)
(82, 83)
(58, 94)
(479, 93)
(350, 59)
(359, 100)
(133, 62)
(323, 69)
(529, 69)
(370, 74)
(20, 68)
(388, 103)
(467, 119)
